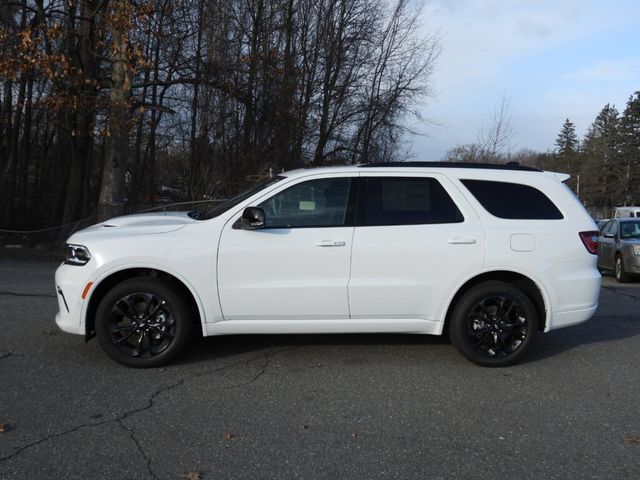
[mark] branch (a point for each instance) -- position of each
(151, 106)
(228, 89)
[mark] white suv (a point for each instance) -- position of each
(490, 254)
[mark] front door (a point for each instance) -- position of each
(297, 266)
(607, 245)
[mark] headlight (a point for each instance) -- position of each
(636, 249)
(77, 255)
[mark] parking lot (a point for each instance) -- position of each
(325, 406)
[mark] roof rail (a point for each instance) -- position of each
(487, 166)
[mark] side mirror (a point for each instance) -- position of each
(609, 235)
(252, 218)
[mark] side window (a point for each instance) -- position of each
(610, 228)
(630, 229)
(513, 200)
(315, 203)
(405, 201)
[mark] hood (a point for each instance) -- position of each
(140, 224)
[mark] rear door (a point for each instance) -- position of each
(415, 238)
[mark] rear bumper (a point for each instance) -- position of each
(572, 317)
(574, 291)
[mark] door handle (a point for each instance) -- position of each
(461, 241)
(331, 243)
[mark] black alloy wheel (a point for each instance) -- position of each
(494, 324)
(142, 322)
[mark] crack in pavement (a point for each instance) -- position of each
(5, 355)
(618, 292)
(138, 445)
(18, 294)
(263, 369)
(150, 402)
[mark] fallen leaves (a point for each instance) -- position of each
(228, 436)
(4, 427)
(191, 475)
(634, 440)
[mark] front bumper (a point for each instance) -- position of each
(70, 283)
(631, 263)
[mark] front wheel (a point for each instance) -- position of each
(142, 322)
(621, 275)
(494, 324)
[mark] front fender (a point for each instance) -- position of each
(108, 270)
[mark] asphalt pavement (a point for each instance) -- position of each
(317, 406)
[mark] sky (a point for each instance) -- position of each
(550, 60)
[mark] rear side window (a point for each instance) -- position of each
(513, 200)
(610, 228)
(405, 201)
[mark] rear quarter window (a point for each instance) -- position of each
(513, 201)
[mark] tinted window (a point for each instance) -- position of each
(513, 200)
(315, 203)
(405, 201)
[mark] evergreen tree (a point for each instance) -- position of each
(567, 156)
(600, 166)
(567, 140)
(630, 151)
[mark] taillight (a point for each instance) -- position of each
(590, 240)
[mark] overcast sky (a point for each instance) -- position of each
(550, 60)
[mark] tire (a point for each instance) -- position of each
(621, 275)
(142, 322)
(494, 324)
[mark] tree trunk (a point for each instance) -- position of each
(80, 120)
(112, 190)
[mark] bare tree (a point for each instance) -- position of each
(201, 95)
(492, 146)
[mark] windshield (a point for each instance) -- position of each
(630, 229)
(232, 202)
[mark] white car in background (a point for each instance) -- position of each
(490, 254)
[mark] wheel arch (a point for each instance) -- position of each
(112, 278)
(530, 287)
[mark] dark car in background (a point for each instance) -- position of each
(619, 248)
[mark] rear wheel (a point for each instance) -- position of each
(494, 324)
(621, 275)
(142, 322)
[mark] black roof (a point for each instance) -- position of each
(487, 166)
